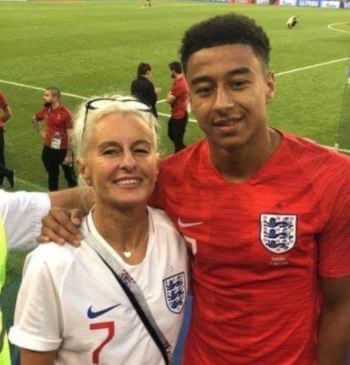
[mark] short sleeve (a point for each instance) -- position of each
(69, 119)
(334, 240)
(40, 115)
(38, 319)
(21, 213)
(3, 101)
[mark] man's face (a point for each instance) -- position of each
(48, 98)
(229, 90)
(172, 74)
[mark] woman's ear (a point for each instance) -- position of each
(84, 171)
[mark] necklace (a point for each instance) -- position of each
(127, 254)
(142, 241)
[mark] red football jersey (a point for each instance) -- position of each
(258, 248)
(3, 105)
(179, 89)
(57, 120)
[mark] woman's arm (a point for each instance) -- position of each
(29, 357)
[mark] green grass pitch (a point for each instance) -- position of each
(93, 47)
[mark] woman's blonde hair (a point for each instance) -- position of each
(88, 115)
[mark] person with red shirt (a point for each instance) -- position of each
(265, 214)
(178, 100)
(5, 115)
(57, 148)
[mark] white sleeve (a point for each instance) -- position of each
(38, 316)
(21, 213)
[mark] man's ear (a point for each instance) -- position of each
(84, 172)
(270, 86)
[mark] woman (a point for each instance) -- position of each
(71, 309)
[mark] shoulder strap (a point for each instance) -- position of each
(134, 294)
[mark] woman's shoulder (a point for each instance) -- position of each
(52, 255)
(162, 221)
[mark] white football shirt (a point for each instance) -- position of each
(70, 301)
(21, 214)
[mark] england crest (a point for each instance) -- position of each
(175, 292)
(278, 232)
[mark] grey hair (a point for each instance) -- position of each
(82, 128)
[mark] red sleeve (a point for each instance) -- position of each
(3, 101)
(69, 120)
(179, 89)
(40, 115)
(334, 241)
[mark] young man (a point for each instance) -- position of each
(178, 100)
(5, 115)
(266, 214)
(20, 222)
(143, 89)
(57, 149)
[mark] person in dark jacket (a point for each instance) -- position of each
(143, 89)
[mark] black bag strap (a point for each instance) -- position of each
(133, 292)
(165, 349)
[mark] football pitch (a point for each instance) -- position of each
(93, 47)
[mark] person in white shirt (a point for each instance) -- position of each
(70, 308)
(20, 223)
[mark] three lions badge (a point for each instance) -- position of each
(278, 232)
(175, 292)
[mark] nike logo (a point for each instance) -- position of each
(188, 224)
(93, 314)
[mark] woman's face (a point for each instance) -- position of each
(121, 161)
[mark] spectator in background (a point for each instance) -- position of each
(5, 115)
(57, 145)
(178, 100)
(292, 21)
(143, 89)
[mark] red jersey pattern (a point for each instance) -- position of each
(259, 247)
(56, 120)
(179, 89)
(3, 105)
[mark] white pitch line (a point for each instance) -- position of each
(38, 187)
(29, 184)
(164, 100)
(331, 27)
(312, 66)
(40, 89)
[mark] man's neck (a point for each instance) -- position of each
(55, 105)
(240, 164)
(178, 76)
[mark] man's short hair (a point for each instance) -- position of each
(143, 68)
(175, 66)
(55, 91)
(224, 30)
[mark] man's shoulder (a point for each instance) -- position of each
(2, 99)
(53, 255)
(317, 160)
(186, 157)
(64, 109)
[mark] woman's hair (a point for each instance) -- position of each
(98, 107)
(143, 68)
